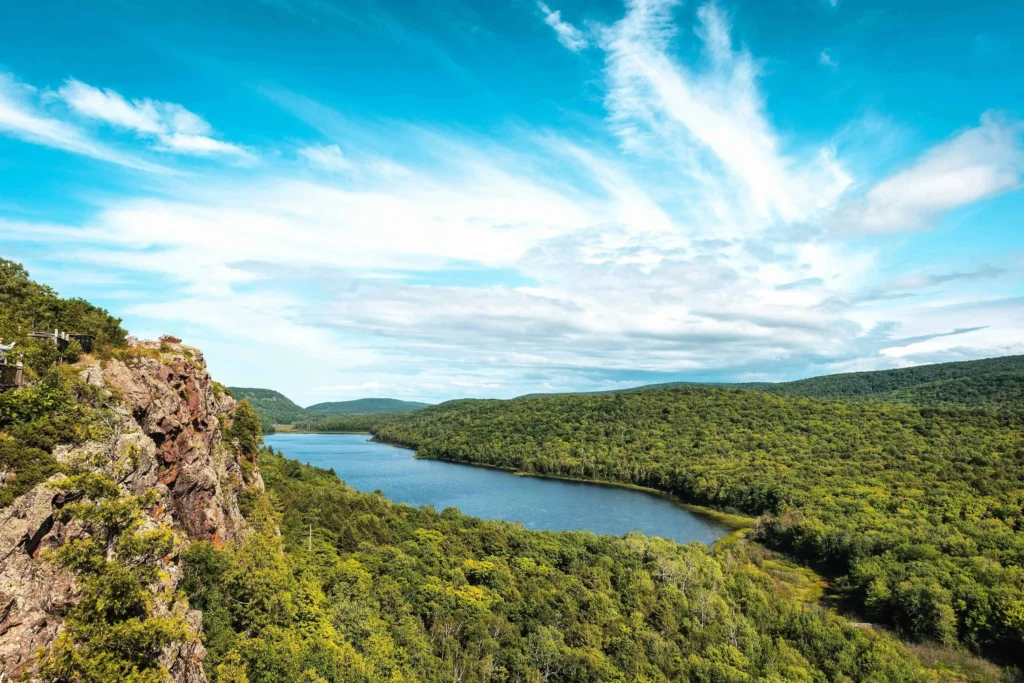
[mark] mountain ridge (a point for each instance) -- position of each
(275, 408)
(985, 381)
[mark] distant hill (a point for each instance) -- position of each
(363, 406)
(274, 407)
(986, 382)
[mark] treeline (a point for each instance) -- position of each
(354, 588)
(27, 306)
(359, 589)
(916, 511)
(991, 382)
(56, 407)
(274, 408)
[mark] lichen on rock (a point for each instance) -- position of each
(165, 435)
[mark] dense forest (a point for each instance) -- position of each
(274, 408)
(994, 383)
(916, 511)
(363, 406)
(359, 589)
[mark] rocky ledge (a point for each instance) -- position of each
(172, 417)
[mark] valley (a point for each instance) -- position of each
(151, 532)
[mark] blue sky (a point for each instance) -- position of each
(447, 199)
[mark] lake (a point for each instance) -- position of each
(538, 503)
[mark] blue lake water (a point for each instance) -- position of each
(494, 494)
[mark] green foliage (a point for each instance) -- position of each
(272, 407)
(27, 306)
(114, 632)
(219, 390)
(917, 510)
(989, 383)
(358, 588)
(245, 430)
(58, 409)
(363, 406)
(992, 381)
(276, 409)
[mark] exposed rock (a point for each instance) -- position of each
(173, 404)
(34, 595)
(172, 419)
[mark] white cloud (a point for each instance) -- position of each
(175, 128)
(21, 117)
(826, 59)
(326, 157)
(711, 124)
(694, 237)
(977, 164)
(568, 35)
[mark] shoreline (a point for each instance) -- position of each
(737, 524)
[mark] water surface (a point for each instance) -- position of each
(494, 494)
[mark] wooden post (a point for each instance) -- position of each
(18, 369)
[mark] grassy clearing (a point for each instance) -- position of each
(799, 583)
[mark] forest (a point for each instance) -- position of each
(914, 510)
(359, 589)
(274, 408)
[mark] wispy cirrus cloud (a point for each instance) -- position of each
(568, 35)
(173, 127)
(326, 157)
(21, 116)
(709, 123)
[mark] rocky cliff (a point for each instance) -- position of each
(170, 419)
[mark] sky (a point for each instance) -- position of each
(444, 199)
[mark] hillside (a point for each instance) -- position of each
(917, 511)
(111, 464)
(989, 382)
(363, 406)
(274, 408)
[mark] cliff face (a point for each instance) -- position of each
(169, 416)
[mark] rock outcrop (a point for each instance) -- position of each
(172, 418)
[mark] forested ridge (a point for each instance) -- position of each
(915, 510)
(274, 408)
(994, 383)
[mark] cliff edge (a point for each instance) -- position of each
(168, 436)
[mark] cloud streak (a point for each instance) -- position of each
(709, 123)
(977, 164)
(172, 126)
(22, 118)
(568, 35)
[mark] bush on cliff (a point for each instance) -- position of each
(115, 632)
